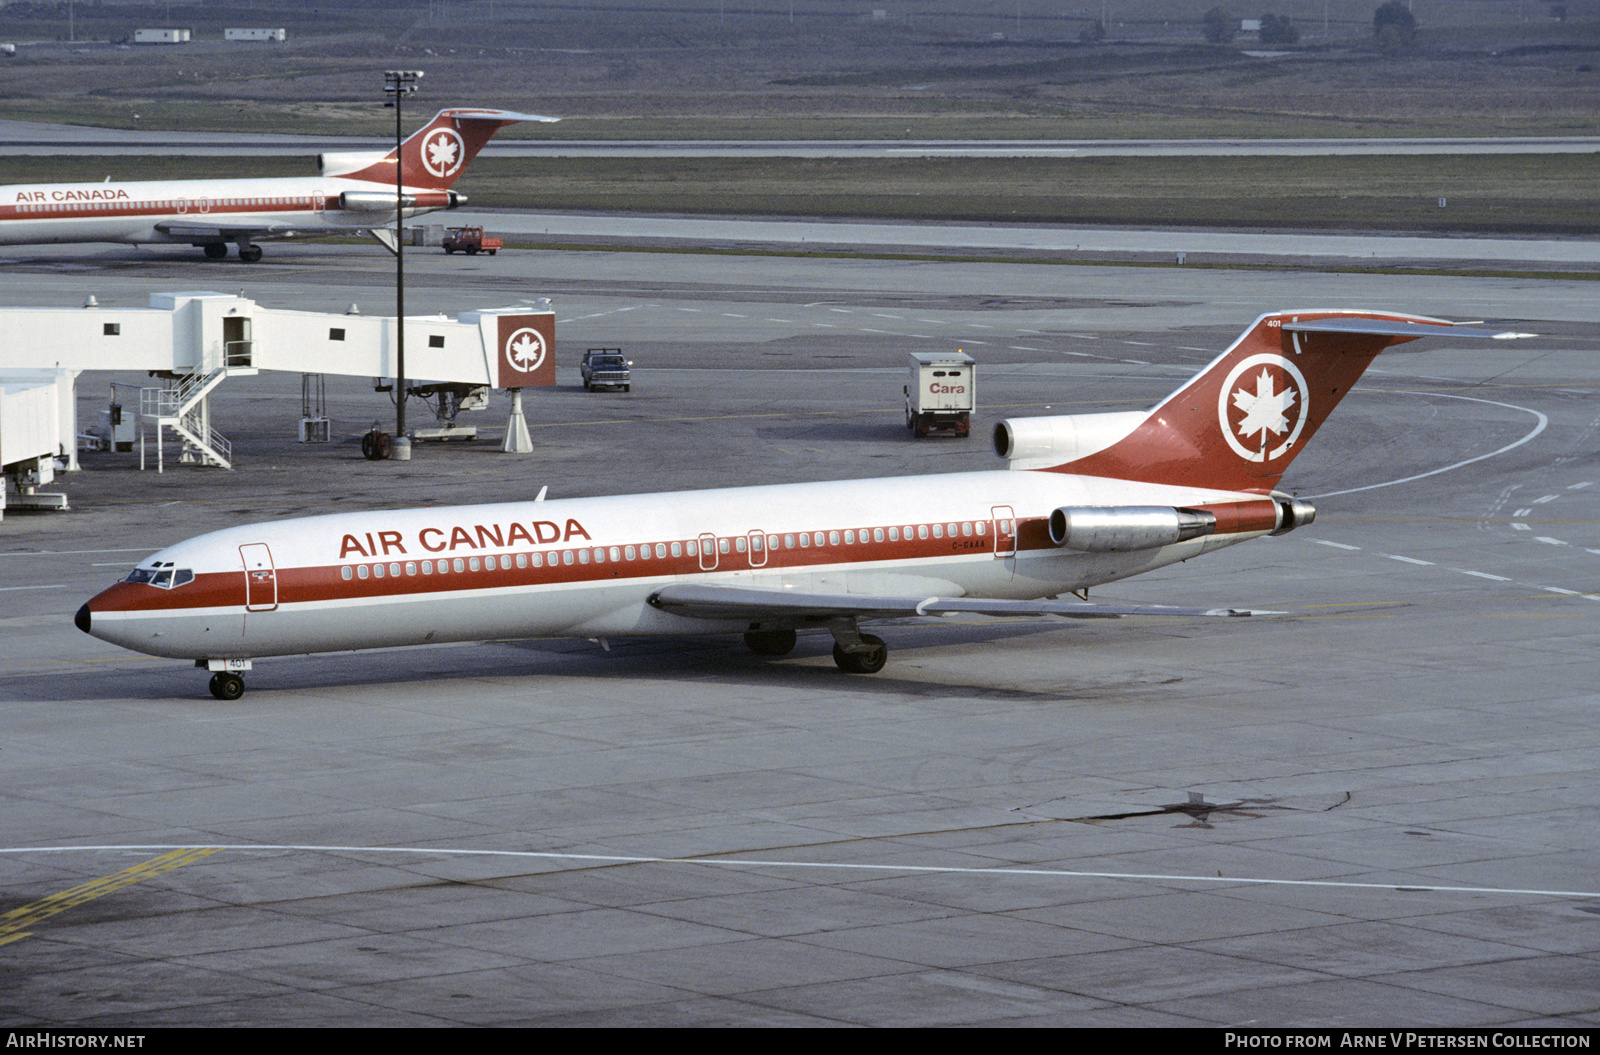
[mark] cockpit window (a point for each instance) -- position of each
(165, 576)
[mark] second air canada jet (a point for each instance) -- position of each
(354, 193)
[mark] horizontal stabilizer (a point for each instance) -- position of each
(703, 601)
(467, 114)
(1396, 328)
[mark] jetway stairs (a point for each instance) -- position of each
(183, 405)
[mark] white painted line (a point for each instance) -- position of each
(1579, 487)
(1544, 423)
(1409, 560)
(1335, 545)
(1548, 541)
(1520, 527)
(1523, 512)
(1403, 886)
(1557, 589)
(1483, 575)
(72, 552)
(12, 589)
(1546, 498)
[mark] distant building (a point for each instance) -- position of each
(161, 36)
(255, 34)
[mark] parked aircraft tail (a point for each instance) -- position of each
(1241, 421)
(434, 155)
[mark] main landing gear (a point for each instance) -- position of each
(773, 643)
(853, 651)
(248, 254)
(871, 659)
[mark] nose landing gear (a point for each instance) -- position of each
(227, 677)
(226, 685)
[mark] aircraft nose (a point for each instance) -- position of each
(81, 620)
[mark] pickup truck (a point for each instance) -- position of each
(471, 241)
(605, 368)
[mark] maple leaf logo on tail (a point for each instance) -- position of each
(1263, 414)
(442, 152)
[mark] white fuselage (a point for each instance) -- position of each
(588, 566)
(139, 213)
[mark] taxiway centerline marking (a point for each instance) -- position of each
(744, 862)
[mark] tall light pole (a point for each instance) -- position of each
(397, 84)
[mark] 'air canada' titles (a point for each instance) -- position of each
(27, 197)
(477, 536)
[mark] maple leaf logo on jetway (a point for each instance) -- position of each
(442, 152)
(1262, 402)
(526, 349)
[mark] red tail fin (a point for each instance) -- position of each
(438, 152)
(1242, 420)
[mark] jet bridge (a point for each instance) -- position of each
(195, 341)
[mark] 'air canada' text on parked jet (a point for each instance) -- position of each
(1087, 499)
(354, 194)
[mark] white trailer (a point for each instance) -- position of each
(277, 35)
(941, 393)
(161, 36)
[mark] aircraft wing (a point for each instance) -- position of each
(702, 601)
(225, 233)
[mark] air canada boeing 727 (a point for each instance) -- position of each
(1086, 499)
(354, 194)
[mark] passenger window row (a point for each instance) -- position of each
(705, 547)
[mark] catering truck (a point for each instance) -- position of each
(941, 393)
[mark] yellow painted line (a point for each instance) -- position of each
(14, 923)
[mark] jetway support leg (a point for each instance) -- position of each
(517, 440)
